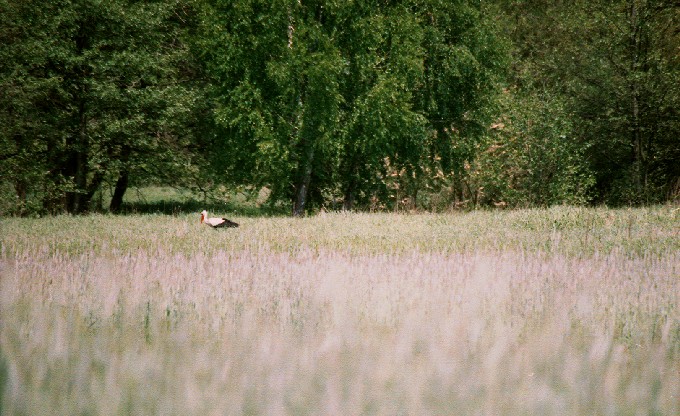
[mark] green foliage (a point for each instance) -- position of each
(334, 104)
(324, 102)
(613, 66)
(92, 92)
(532, 156)
(631, 120)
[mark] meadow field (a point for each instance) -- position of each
(560, 311)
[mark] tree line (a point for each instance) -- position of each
(362, 104)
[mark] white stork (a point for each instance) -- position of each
(216, 222)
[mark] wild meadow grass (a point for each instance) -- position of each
(548, 311)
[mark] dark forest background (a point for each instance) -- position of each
(380, 105)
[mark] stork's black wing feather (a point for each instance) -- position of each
(227, 223)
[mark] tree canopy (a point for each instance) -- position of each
(362, 104)
(92, 92)
(329, 101)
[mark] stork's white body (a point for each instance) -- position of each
(216, 222)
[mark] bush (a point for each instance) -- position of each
(531, 156)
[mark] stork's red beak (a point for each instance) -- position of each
(202, 218)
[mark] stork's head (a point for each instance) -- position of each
(204, 215)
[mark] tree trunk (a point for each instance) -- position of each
(350, 188)
(302, 187)
(122, 182)
(77, 169)
(638, 157)
(92, 188)
(77, 165)
(348, 201)
(635, 46)
(21, 186)
(119, 192)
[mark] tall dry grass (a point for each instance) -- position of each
(560, 311)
